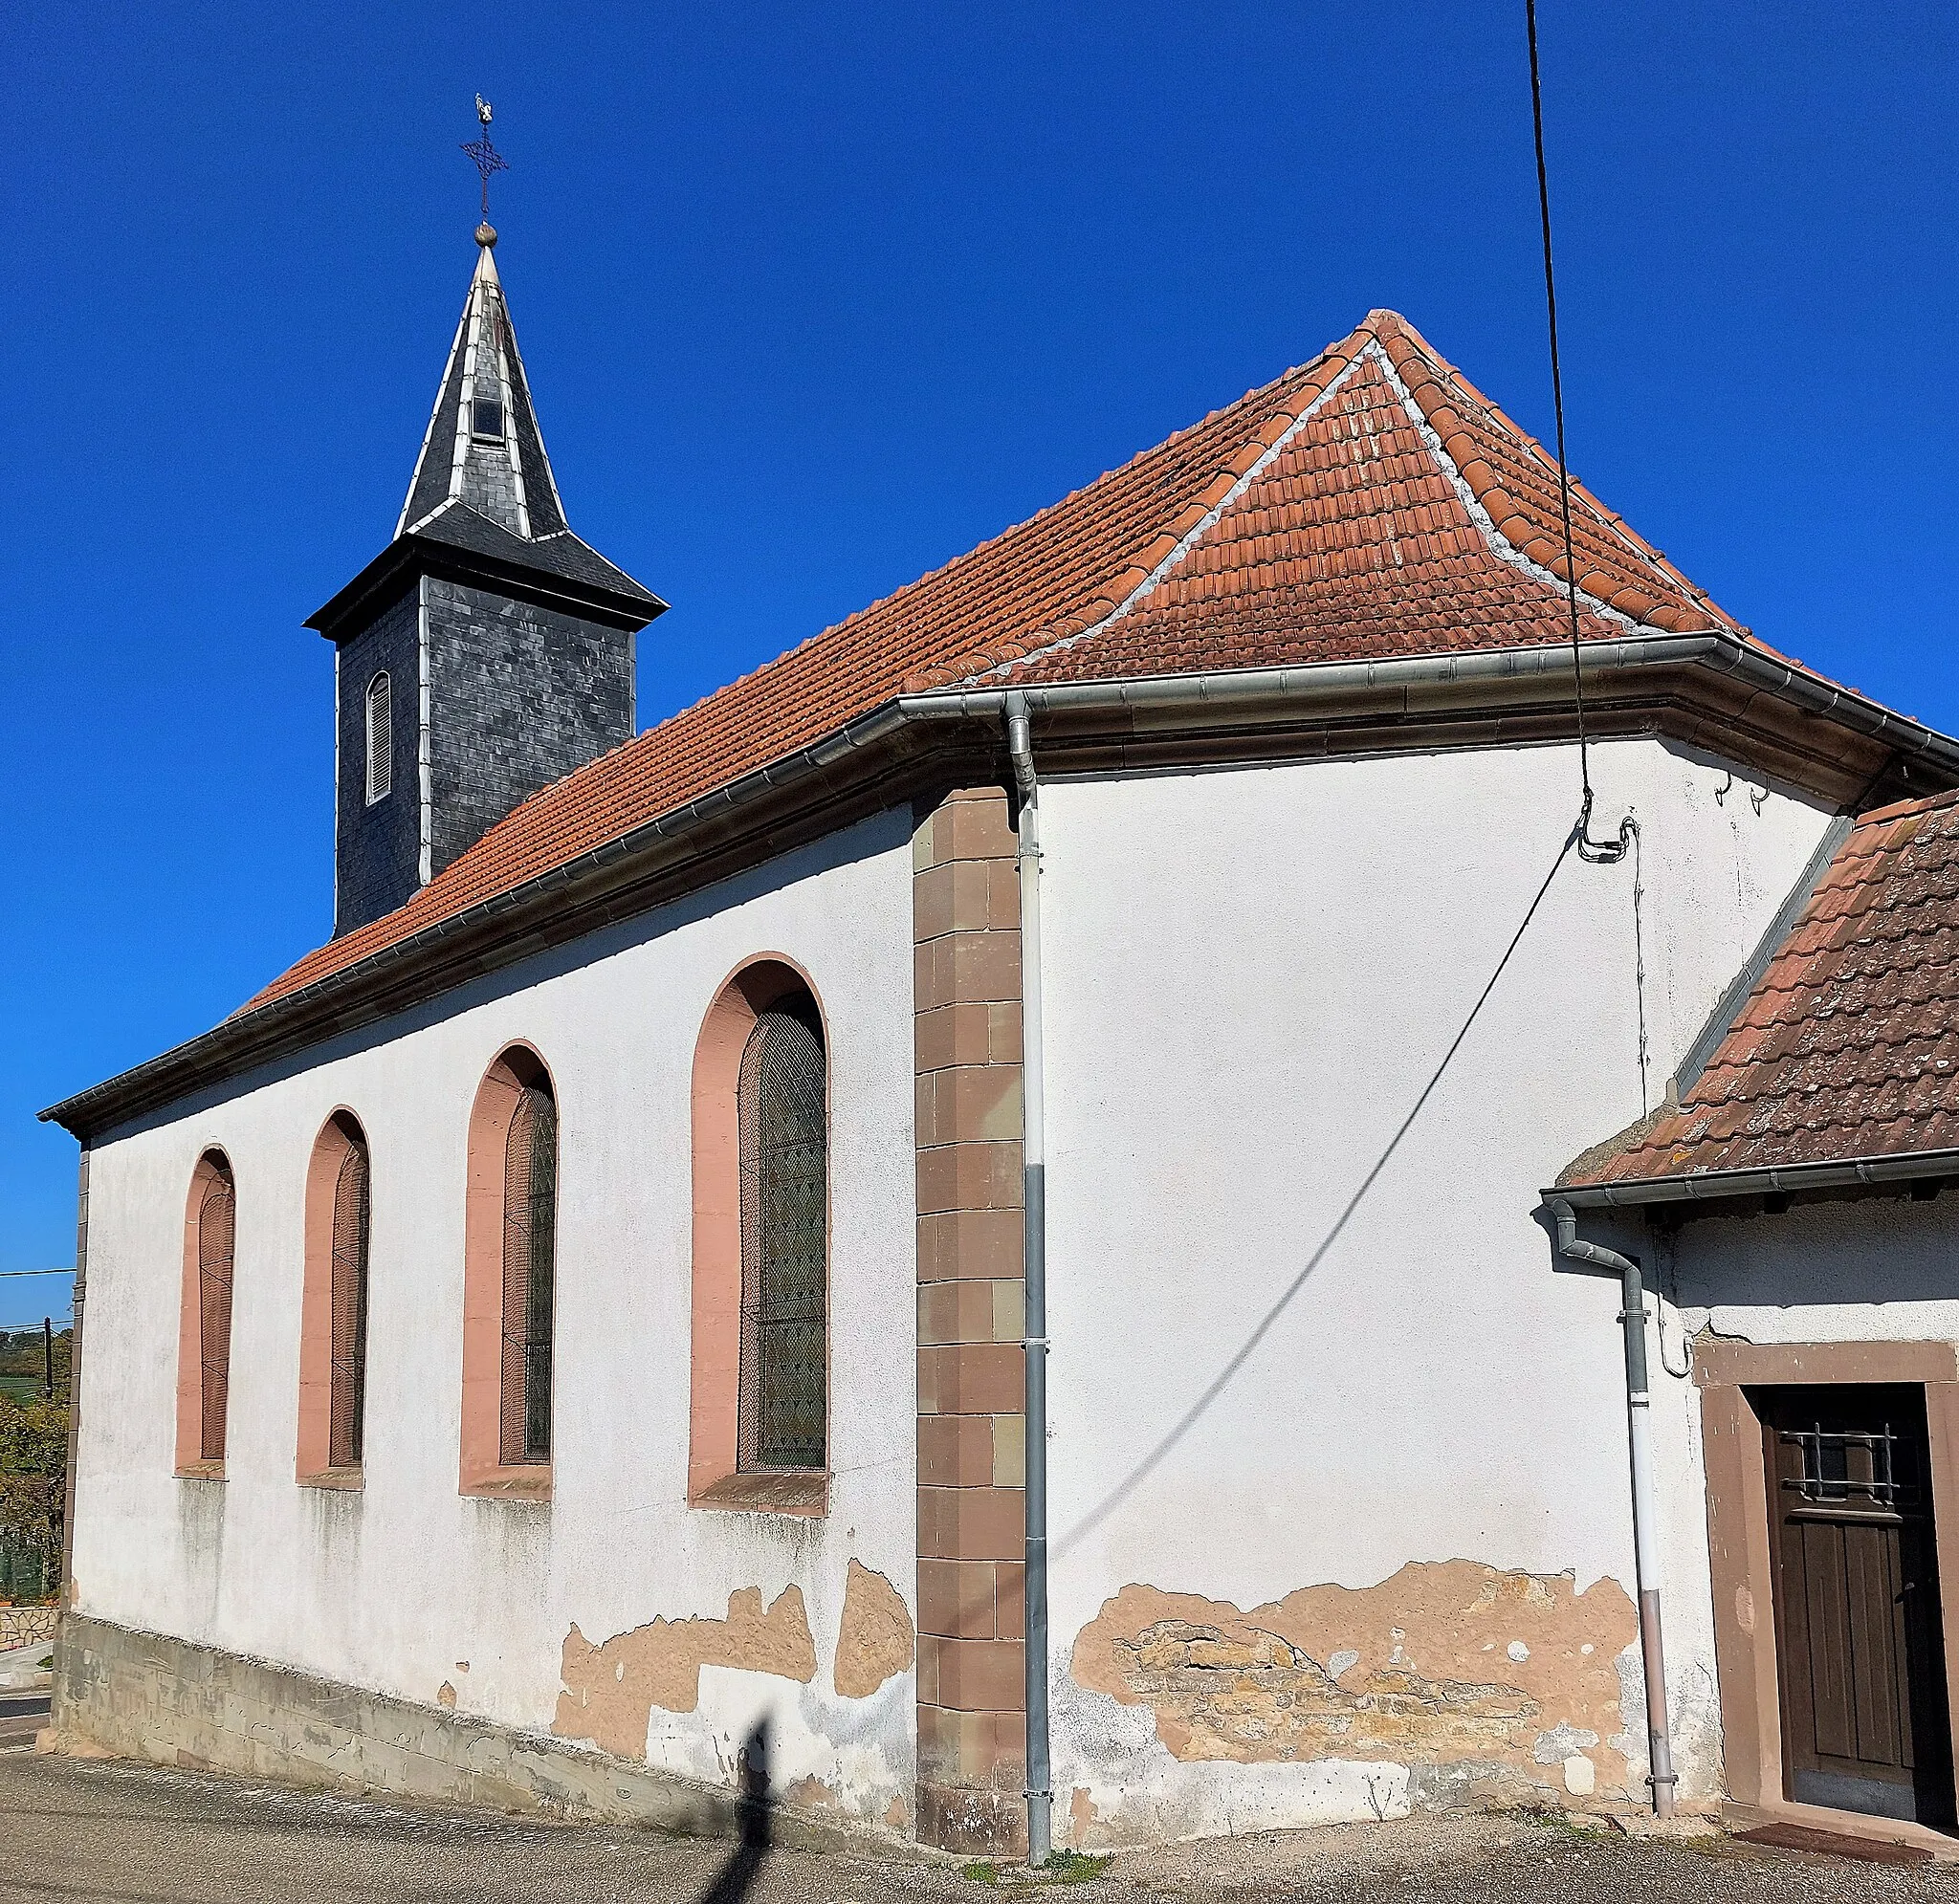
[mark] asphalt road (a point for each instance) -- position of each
(74, 1830)
(22, 1715)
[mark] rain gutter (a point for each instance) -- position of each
(253, 1033)
(1903, 1166)
(317, 1011)
(1720, 650)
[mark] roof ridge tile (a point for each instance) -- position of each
(1310, 520)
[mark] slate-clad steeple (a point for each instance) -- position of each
(487, 650)
(483, 449)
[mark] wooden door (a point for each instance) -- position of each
(1859, 1645)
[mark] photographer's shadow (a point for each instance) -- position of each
(753, 1819)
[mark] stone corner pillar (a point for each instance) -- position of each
(972, 1393)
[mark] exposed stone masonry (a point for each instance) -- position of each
(27, 1626)
(972, 1443)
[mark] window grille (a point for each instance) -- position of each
(783, 1143)
(488, 419)
(217, 1225)
(380, 740)
(1873, 1471)
(530, 1224)
(347, 1393)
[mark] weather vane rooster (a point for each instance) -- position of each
(486, 158)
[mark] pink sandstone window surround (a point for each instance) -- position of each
(204, 1330)
(510, 1281)
(758, 1436)
(333, 1308)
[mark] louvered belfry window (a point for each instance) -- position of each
(784, 1145)
(530, 1228)
(347, 1393)
(380, 738)
(217, 1230)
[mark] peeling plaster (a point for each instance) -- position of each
(1452, 1671)
(857, 1754)
(686, 1696)
(610, 1689)
(874, 1638)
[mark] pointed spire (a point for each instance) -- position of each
(483, 507)
(483, 449)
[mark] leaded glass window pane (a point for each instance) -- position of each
(217, 1225)
(783, 1131)
(530, 1229)
(347, 1394)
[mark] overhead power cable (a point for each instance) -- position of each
(1588, 848)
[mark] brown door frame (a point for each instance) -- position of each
(1741, 1558)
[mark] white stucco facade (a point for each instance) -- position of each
(406, 1586)
(1252, 976)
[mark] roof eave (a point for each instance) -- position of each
(1713, 1187)
(384, 981)
(1394, 703)
(410, 555)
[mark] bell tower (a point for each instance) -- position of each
(487, 650)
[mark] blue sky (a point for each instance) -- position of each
(813, 299)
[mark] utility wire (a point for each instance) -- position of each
(1557, 405)
(1224, 1377)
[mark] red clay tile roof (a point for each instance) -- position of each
(1848, 1049)
(1315, 520)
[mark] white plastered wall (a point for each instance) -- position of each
(1252, 975)
(392, 1587)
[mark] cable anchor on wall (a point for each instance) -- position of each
(1602, 852)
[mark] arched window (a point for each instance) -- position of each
(761, 1347)
(784, 1145)
(510, 1279)
(380, 738)
(530, 1228)
(347, 1403)
(333, 1311)
(203, 1340)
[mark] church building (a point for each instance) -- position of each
(1008, 1230)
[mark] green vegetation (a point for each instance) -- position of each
(23, 1360)
(1061, 1868)
(33, 1485)
(1073, 1867)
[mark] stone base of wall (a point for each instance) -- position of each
(147, 1696)
(27, 1626)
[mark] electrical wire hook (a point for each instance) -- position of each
(1602, 852)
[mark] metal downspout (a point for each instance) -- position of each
(1645, 1517)
(1040, 1796)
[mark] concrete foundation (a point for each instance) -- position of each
(147, 1695)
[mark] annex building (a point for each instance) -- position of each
(1023, 1202)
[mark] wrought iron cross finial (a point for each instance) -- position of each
(485, 156)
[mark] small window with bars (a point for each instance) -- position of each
(1872, 1469)
(217, 1230)
(784, 1141)
(486, 419)
(380, 738)
(530, 1228)
(348, 1387)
